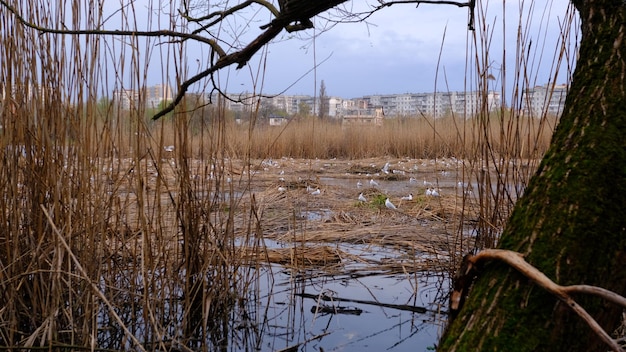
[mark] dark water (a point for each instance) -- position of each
(297, 321)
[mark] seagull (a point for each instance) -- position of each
(389, 205)
(362, 198)
(282, 189)
(169, 148)
(316, 192)
(359, 184)
(385, 168)
(409, 197)
(412, 180)
(432, 192)
(373, 183)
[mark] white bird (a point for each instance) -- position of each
(385, 168)
(432, 192)
(282, 189)
(373, 183)
(359, 184)
(316, 192)
(409, 197)
(426, 183)
(362, 198)
(389, 205)
(412, 180)
(169, 148)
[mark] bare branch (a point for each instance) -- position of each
(221, 15)
(471, 4)
(159, 33)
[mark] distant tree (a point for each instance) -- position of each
(304, 109)
(105, 105)
(323, 106)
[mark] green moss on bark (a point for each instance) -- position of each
(570, 223)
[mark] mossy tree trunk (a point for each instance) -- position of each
(571, 222)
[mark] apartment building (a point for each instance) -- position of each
(152, 98)
(157, 94)
(545, 99)
(435, 104)
(535, 101)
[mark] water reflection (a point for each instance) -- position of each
(278, 309)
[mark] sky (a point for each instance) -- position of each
(400, 49)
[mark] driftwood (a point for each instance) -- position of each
(468, 272)
(373, 303)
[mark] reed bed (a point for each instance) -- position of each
(111, 241)
(410, 137)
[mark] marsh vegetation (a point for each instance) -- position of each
(113, 240)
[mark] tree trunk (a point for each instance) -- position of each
(571, 221)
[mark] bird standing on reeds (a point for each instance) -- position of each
(389, 205)
(362, 198)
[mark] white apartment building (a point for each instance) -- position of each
(157, 94)
(545, 99)
(125, 98)
(153, 96)
(435, 104)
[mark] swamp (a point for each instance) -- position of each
(211, 230)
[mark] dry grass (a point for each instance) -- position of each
(411, 137)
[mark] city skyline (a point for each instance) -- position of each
(535, 101)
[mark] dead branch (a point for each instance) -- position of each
(516, 260)
(471, 4)
(159, 33)
(405, 307)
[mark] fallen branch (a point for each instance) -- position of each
(516, 260)
(373, 303)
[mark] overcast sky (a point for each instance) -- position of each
(396, 50)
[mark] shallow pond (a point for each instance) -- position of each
(371, 313)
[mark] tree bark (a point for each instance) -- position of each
(570, 223)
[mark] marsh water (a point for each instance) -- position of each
(335, 273)
(371, 313)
